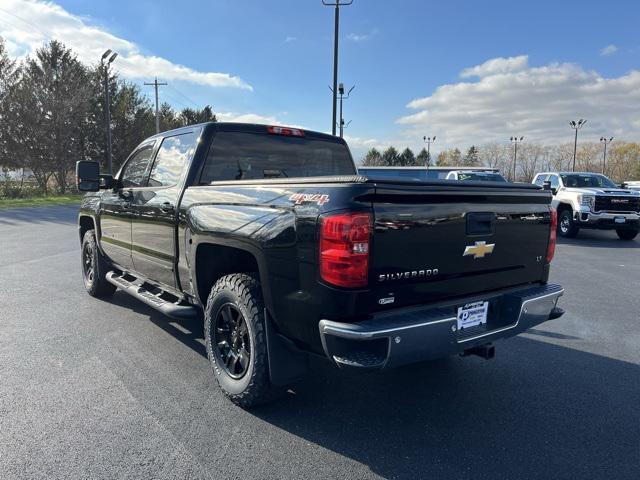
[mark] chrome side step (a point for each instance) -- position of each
(171, 309)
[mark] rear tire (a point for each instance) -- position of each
(566, 226)
(236, 340)
(626, 234)
(94, 268)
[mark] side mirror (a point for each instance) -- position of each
(87, 176)
(624, 185)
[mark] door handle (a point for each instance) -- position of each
(166, 207)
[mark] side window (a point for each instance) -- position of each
(173, 155)
(134, 173)
(555, 183)
(540, 179)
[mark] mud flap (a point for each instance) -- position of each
(287, 363)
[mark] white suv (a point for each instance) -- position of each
(591, 200)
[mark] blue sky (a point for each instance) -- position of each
(544, 62)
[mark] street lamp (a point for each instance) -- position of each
(576, 126)
(336, 4)
(606, 141)
(428, 141)
(111, 57)
(515, 141)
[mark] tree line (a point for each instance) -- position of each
(52, 113)
(622, 161)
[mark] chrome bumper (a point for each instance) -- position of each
(586, 216)
(404, 336)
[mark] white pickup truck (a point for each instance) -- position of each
(591, 200)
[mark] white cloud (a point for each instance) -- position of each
(35, 22)
(246, 118)
(608, 50)
(290, 39)
(253, 118)
(497, 66)
(362, 37)
(512, 98)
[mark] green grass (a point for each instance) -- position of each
(39, 201)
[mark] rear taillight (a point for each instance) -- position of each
(553, 232)
(344, 249)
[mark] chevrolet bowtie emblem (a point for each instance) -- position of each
(479, 250)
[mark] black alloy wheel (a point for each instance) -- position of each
(88, 261)
(232, 341)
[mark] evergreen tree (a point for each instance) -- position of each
(390, 157)
(423, 158)
(471, 158)
(407, 158)
(373, 158)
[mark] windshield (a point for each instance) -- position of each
(586, 180)
(481, 177)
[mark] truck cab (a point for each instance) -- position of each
(592, 200)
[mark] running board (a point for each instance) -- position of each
(166, 307)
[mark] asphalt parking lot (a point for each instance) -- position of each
(111, 389)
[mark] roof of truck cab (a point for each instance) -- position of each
(245, 127)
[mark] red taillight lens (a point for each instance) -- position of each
(344, 249)
(553, 232)
(290, 132)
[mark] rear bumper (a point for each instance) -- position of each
(606, 220)
(404, 336)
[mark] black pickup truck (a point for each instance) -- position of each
(269, 234)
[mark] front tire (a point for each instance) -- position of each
(626, 234)
(236, 340)
(94, 268)
(566, 226)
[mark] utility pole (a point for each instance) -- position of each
(515, 141)
(337, 6)
(343, 97)
(576, 126)
(156, 84)
(107, 103)
(606, 141)
(429, 141)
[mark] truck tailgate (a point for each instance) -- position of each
(431, 242)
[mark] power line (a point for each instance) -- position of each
(48, 35)
(156, 84)
(174, 89)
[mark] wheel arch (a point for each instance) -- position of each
(214, 260)
(562, 206)
(85, 223)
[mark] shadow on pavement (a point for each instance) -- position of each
(190, 333)
(536, 411)
(544, 412)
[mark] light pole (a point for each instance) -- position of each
(337, 4)
(515, 141)
(343, 97)
(112, 56)
(606, 142)
(576, 126)
(428, 141)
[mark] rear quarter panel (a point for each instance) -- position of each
(277, 224)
